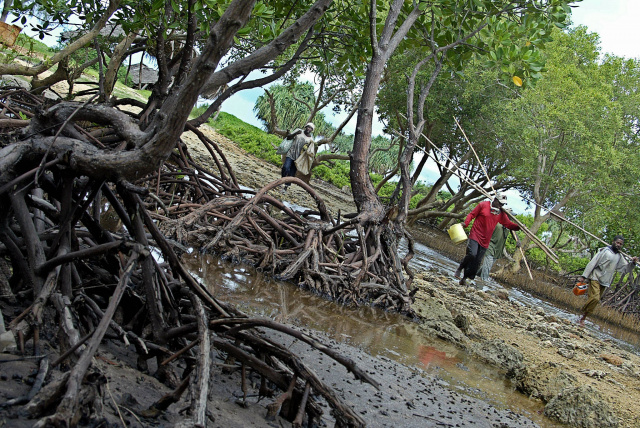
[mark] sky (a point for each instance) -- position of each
(616, 21)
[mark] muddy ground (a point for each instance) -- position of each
(552, 360)
(551, 349)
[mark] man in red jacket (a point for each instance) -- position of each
(487, 215)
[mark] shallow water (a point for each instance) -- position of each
(381, 333)
(426, 258)
(374, 331)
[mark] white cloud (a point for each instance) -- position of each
(615, 21)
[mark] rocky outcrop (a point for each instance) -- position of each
(436, 319)
(501, 354)
(581, 406)
(544, 330)
(547, 357)
(545, 381)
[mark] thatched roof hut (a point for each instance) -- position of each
(142, 75)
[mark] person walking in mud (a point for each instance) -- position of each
(301, 140)
(599, 273)
(494, 251)
(487, 215)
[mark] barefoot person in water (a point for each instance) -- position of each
(599, 273)
(487, 215)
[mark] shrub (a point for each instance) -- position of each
(336, 174)
(248, 137)
(33, 45)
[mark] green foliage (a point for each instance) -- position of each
(510, 37)
(342, 143)
(50, 14)
(572, 263)
(385, 151)
(536, 257)
(7, 56)
(248, 137)
(198, 111)
(575, 134)
(33, 45)
(336, 174)
(290, 104)
(258, 143)
(420, 190)
(387, 190)
(293, 105)
(385, 154)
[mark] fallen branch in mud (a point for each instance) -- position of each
(42, 373)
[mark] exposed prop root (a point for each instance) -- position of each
(80, 253)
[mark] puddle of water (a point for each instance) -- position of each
(385, 334)
(376, 332)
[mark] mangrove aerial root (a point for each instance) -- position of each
(79, 244)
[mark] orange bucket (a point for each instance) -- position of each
(580, 288)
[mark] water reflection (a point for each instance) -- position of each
(376, 332)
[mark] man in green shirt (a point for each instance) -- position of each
(494, 251)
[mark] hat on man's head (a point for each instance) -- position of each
(311, 125)
(502, 198)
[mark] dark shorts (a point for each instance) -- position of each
(289, 168)
(472, 259)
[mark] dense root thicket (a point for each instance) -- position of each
(341, 260)
(624, 295)
(99, 258)
(336, 257)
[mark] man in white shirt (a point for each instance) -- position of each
(599, 273)
(301, 138)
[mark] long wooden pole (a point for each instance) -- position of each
(575, 225)
(527, 232)
(486, 174)
(524, 229)
(523, 257)
(492, 188)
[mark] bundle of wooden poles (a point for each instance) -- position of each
(456, 171)
(532, 237)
